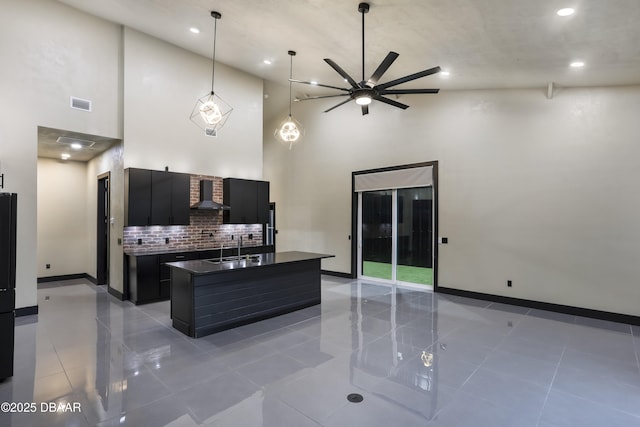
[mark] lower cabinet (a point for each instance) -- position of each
(149, 277)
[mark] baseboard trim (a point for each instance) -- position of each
(116, 293)
(336, 274)
(67, 277)
(559, 308)
(26, 311)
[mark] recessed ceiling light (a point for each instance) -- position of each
(577, 64)
(76, 146)
(194, 30)
(266, 61)
(567, 11)
(313, 82)
(65, 156)
(445, 73)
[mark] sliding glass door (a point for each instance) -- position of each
(414, 237)
(376, 232)
(396, 235)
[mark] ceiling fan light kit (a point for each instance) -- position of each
(211, 112)
(290, 131)
(366, 91)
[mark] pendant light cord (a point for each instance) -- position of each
(213, 65)
(363, 12)
(290, 77)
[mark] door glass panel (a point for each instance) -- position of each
(376, 234)
(415, 236)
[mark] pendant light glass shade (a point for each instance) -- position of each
(289, 132)
(211, 112)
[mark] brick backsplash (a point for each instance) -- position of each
(205, 229)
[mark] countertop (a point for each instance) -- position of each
(156, 251)
(202, 266)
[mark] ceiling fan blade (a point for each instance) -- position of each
(391, 102)
(337, 105)
(320, 97)
(365, 110)
(318, 84)
(343, 73)
(406, 91)
(408, 78)
(382, 68)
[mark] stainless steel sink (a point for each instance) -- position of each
(245, 259)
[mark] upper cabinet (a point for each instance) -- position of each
(248, 200)
(156, 198)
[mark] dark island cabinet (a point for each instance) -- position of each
(156, 198)
(248, 200)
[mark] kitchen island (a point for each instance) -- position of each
(209, 296)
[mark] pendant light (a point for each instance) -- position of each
(290, 131)
(211, 112)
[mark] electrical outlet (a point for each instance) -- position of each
(139, 241)
(166, 240)
(250, 236)
(48, 266)
(509, 284)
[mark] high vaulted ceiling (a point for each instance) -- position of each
(483, 43)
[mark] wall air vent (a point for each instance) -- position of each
(210, 132)
(80, 104)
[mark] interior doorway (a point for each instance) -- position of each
(102, 238)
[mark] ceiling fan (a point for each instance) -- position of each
(367, 90)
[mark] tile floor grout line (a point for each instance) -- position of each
(546, 398)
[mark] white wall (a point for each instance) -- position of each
(110, 161)
(162, 84)
(62, 210)
(535, 190)
(49, 52)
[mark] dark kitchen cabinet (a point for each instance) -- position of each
(165, 272)
(248, 200)
(144, 278)
(169, 198)
(149, 278)
(137, 197)
(262, 197)
(156, 197)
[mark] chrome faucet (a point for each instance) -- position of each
(239, 246)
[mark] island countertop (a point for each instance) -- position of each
(201, 266)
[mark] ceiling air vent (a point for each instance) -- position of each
(80, 104)
(82, 143)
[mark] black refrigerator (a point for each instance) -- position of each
(8, 209)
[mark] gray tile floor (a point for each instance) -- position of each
(417, 358)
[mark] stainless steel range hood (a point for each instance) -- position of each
(206, 196)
